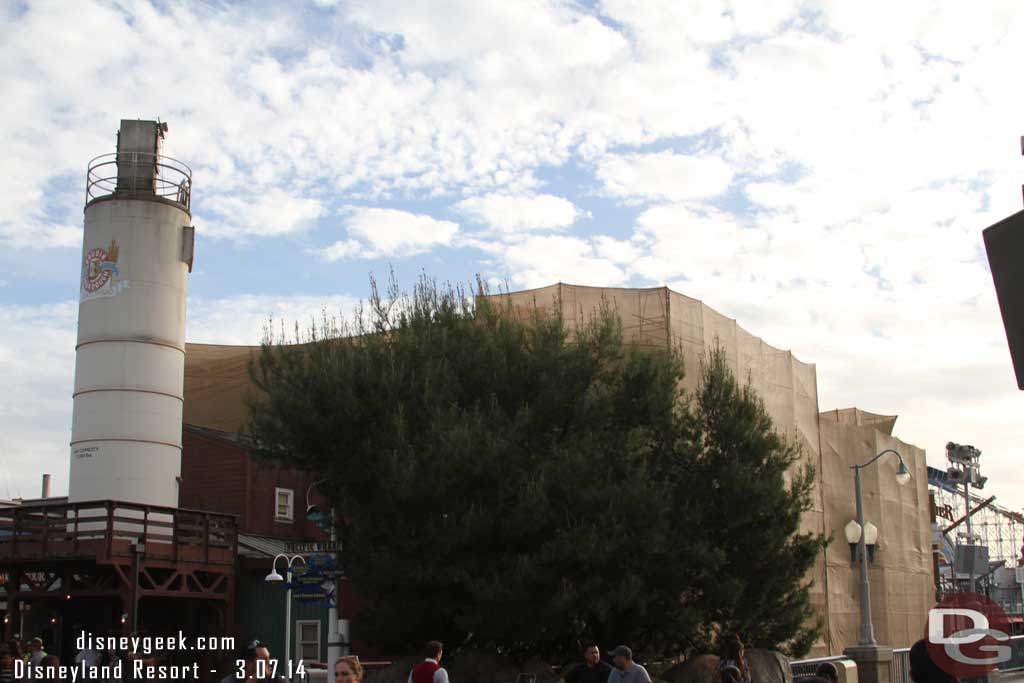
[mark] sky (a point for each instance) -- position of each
(820, 171)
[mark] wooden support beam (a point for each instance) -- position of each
(962, 519)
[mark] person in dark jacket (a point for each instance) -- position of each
(923, 669)
(828, 671)
(591, 670)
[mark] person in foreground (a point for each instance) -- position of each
(348, 670)
(626, 670)
(430, 671)
(733, 655)
(923, 669)
(592, 670)
(828, 671)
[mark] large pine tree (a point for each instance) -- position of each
(508, 484)
(747, 488)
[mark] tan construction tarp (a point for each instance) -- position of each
(216, 386)
(901, 580)
(217, 383)
(861, 418)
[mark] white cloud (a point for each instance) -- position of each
(663, 175)
(762, 17)
(494, 37)
(680, 241)
(340, 250)
(37, 348)
(618, 251)
(520, 213)
(267, 214)
(541, 260)
(390, 232)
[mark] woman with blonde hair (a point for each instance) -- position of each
(348, 670)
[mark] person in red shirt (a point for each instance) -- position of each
(430, 671)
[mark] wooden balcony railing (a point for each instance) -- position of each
(108, 530)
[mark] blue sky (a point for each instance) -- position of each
(820, 171)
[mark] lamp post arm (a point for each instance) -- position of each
(310, 488)
(887, 450)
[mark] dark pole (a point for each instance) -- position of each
(970, 536)
(867, 631)
(136, 561)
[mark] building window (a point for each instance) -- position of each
(284, 504)
(307, 640)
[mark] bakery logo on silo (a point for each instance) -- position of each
(99, 273)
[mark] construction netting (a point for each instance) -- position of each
(901, 577)
(217, 384)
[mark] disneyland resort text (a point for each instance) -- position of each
(81, 672)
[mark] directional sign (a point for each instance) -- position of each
(317, 580)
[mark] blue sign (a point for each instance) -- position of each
(317, 580)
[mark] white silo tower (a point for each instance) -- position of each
(130, 356)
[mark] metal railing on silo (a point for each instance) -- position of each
(138, 175)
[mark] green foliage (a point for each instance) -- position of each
(510, 484)
(755, 494)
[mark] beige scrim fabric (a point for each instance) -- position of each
(860, 418)
(217, 383)
(902, 585)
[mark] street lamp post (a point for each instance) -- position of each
(138, 552)
(867, 631)
(274, 576)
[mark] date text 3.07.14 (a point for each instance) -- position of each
(269, 669)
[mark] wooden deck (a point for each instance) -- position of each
(110, 531)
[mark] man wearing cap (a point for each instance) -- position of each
(626, 670)
(35, 652)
